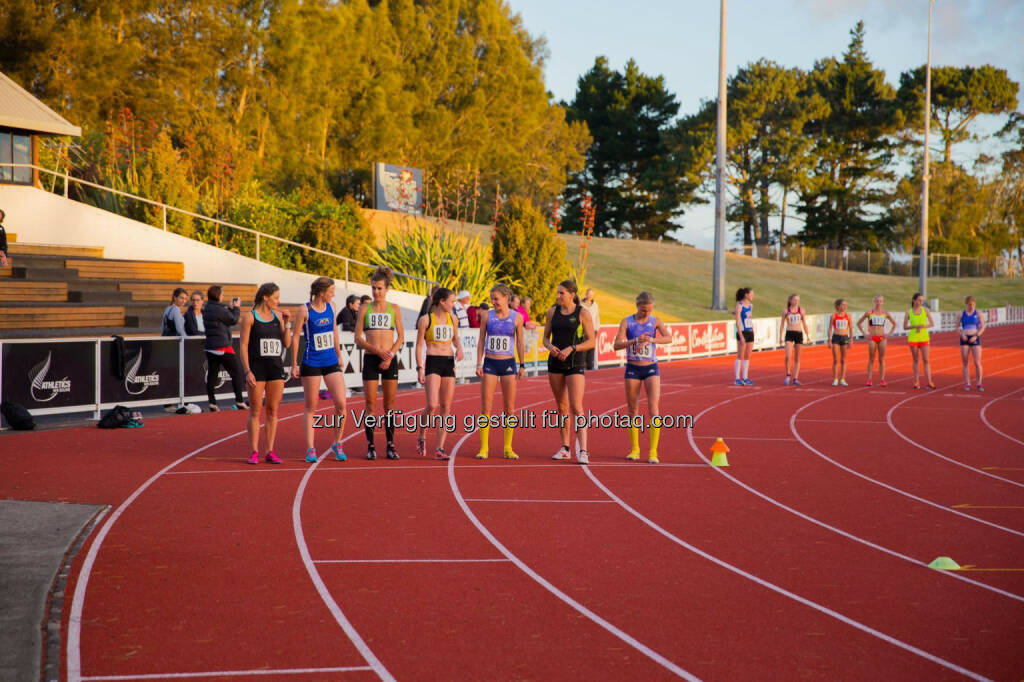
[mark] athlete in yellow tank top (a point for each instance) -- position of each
(917, 322)
(438, 348)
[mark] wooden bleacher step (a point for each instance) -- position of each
(18, 291)
(114, 269)
(46, 317)
(25, 249)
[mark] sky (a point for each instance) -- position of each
(679, 40)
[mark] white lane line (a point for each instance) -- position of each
(410, 561)
(844, 421)
(784, 592)
(231, 673)
(580, 608)
(989, 424)
(925, 448)
(321, 588)
(483, 499)
(790, 440)
(438, 467)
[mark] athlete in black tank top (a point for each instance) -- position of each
(566, 331)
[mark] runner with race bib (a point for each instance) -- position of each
(971, 325)
(501, 338)
(638, 334)
(794, 324)
(439, 344)
(877, 335)
(840, 333)
(320, 361)
(264, 337)
(917, 322)
(380, 335)
(568, 335)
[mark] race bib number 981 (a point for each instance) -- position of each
(499, 344)
(442, 332)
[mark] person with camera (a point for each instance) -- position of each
(218, 320)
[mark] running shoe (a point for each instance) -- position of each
(339, 454)
(273, 458)
(869, 383)
(917, 386)
(214, 408)
(562, 454)
(371, 452)
(967, 387)
(748, 382)
(842, 382)
(311, 456)
(882, 383)
(739, 382)
(931, 386)
(653, 459)
(785, 382)
(508, 454)
(835, 382)
(981, 389)
(441, 454)
(583, 457)
(796, 382)
(482, 454)
(254, 458)
(390, 451)
(421, 447)
(633, 456)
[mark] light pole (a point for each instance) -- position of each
(718, 279)
(922, 284)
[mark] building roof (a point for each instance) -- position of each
(19, 109)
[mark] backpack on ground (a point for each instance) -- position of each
(18, 418)
(118, 416)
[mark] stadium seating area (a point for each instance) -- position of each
(75, 291)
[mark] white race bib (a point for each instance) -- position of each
(877, 321)
(379, 321)
(270, 348)
(794, 318)
(643, 352)
(323, 340)
(840, 324)
(499, 344)
(442, 333)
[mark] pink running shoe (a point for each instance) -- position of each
(882, 383)
(254, 458)
(272, 458)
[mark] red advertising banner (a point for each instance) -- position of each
(605, 339)
(708, 337)
(687, 339)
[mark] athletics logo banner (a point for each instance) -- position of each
(151, 371)
(49, 374)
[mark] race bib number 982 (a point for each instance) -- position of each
(323, 340)
(499, 344)
(380, 321)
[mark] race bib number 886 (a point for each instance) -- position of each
(499, 344)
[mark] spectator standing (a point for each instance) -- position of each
(347, 317)
(194, 316)
(590, 305)
(5, 261)
(173, 322)
(459, 309)
(524, 309)
(218, 320)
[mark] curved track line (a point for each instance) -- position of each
(989, 424)
(783, 591)
(540, 580)
(892, 427)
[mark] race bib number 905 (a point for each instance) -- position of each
(443, 332)
(323, 340)
(270, 348)
(499, 344)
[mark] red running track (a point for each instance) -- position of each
(806, 558)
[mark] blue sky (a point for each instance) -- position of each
(679, 40)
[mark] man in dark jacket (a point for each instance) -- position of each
(347, 317)
(218, 321)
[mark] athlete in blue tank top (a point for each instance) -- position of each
(319, 329)
(971, 326)
(744, 315)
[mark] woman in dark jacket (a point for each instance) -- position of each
(194, 325)
(218, 321)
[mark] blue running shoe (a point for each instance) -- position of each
(739, 382)
(311, 456)
(338, 453)
(748, 382)
(796, 382)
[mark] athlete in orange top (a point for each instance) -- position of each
(840, 333)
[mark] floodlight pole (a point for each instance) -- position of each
(718, 279)
(927, 170)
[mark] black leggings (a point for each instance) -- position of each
(233, 365)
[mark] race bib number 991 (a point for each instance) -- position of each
(499, 344)
(323, 340)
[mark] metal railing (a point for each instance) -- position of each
(164, 208)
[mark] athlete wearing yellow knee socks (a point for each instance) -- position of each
(501, 338)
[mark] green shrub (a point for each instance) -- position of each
(528, 251)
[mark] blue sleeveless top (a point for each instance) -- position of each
(746, 312)
(319, 330)
(500, 338)
(635, 330)
(970, 323)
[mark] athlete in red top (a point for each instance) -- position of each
(840, 333)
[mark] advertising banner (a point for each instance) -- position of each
(397, 188)
(46, 375)
(150, 371)
(708, 337)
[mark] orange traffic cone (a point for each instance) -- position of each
(718, 450)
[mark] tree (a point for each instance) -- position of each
(630, 171)
(959, 96)
(843, 197)
(529, 252)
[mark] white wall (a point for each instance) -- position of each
(40, 217)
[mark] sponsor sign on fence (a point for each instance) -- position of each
(49, 374)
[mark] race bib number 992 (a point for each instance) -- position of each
(270, 348)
